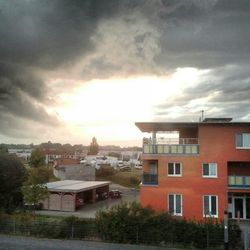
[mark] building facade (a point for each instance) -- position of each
(198, 169)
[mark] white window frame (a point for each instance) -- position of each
(209, 170)
(175, 213)
(242, 146)
(210, 206)
(174, 168)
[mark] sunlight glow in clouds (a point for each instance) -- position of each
(109, 108)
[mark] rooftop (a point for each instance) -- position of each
(176, 126)
(75, 186)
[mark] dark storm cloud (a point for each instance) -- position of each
(48, 33)
(202, 36)
(45, 36)
(41, 35)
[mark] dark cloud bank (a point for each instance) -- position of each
(40, 35)
(47, 35)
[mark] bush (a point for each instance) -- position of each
(130, 223)
(123, 223)
(105, 171)
(126, 223)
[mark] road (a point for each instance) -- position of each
(30, 243)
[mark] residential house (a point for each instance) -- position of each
(198, 170)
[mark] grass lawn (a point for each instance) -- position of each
(126, 179)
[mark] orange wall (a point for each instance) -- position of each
(217, 145)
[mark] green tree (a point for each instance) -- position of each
(12, 175)
(93, 147)
(34, 189)
(3, 149)
(37, 158)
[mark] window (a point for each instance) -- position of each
(153, 168)
(209, 170)
(175, 204)
(174, 169)
(243, 140)
(210, 206)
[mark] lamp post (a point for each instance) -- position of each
(225, 230)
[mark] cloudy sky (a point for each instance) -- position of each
(73, 69)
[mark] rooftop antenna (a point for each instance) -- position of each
(202, 115)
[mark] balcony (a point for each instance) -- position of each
(149, 179)
(189, 146)
(242, 182)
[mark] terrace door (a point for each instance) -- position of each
(239, 204)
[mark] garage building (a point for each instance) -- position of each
(68, 195)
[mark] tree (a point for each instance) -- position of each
(12, 175)
(34, 189)
(37, 158)
(3, 149)
(93, 147)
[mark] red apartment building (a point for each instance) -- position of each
(200, 170)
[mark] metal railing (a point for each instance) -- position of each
(171, 141)
(239, 181)
(149, 179)
(171, 146)
(170, 149)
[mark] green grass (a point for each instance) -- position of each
(127, 179)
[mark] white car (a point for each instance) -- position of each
(120, 164)
(138, 166)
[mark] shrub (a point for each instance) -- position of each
(105, 171)
(130, 223)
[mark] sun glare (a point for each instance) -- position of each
(109, 108)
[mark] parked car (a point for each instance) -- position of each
(138, 166)
(115, 194)
(125, 169)
(33, 206)
(120, 164)
(102, 196)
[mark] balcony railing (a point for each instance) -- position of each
(235, 181)
(171, 146)
(149, 179)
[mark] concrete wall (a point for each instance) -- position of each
(75, 172)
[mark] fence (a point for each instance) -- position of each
(86, 229)
(67, 228)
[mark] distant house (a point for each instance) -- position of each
(199, 170)
(51, 155)
(71, 169)
(21, 153)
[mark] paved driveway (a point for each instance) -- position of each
(89, 210)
